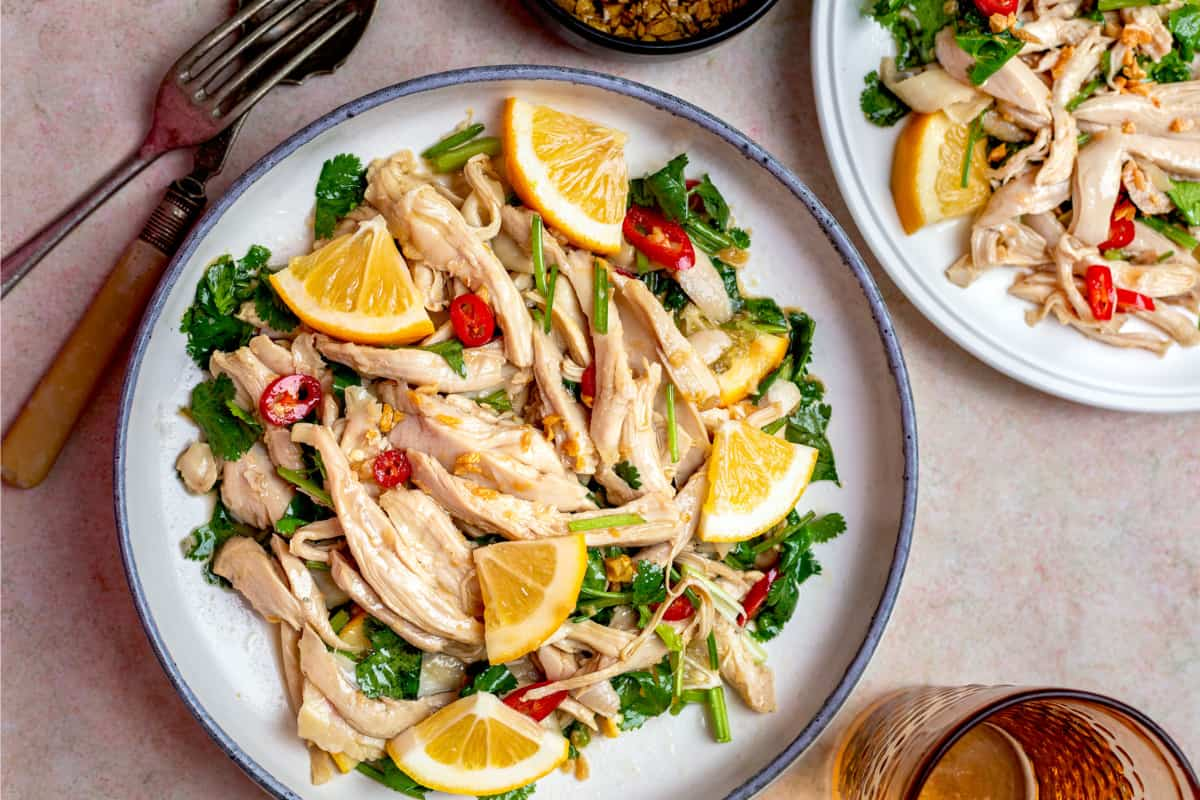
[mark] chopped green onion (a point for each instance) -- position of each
(1113, 255)
(454, 160)
(972, 137)
(672, 433)
(772, 427)
(607, 521)
(1173, 232)
(301, 481)
(720, 714)
(321, 565)
(535, 253)
(1084, 93)
(714, 659)
(1083, 139)
(1167, 256)
(1116, 5)
(600, 298)
(695, 696)
(643, 263)
(757, 651)
(783, 533)
(547, 323)
(726, 604)
(339, 620)
(453, 140)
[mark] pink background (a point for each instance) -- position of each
(1056, 544)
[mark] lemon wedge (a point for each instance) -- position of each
(754, 480)
(746, 367)
(477, 746)
(529, 589)
(927, 171)
(570, 169)
(357, 288)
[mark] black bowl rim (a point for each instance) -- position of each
(658, 99)
(742, 19)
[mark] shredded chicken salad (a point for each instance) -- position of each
(1076, 127)
(471, 468)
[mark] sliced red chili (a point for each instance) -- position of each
(474, 323)
(289, 399)
(391, 468)
(752, 603)
(1132, 301)
(680, 608)
(663, 241)
(989, 7)
(1100, 295)
(1120, 227)
(538, 709)
(587, 385)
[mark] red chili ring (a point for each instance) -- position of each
(289, 399)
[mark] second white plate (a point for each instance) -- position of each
(984, 319)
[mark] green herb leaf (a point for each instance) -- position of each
(300, 512)
(339, 191)
(991, 52)
(1186, 197)
(521, 793)
(643, 694)
(649, 584)
(879, 104)
(729, 278)
(452, 351)
(766, 316)
(343, 377)
(392, 668)
(669, 190)
(228, 433)
(575, 388)
(495, 679)
(807, 425)
(628, 473)
(1171, 68)
(800, 341)
(272, 310)
(1173, 232)
(209, 322)
(670, 637)
(1184, 24)
(713, 201)
(914, 25)
(303, 481)
(386, 772)
(204, 541)
(497, 400)
(975, 131)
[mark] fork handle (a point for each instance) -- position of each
(14, 265)
(34, 440)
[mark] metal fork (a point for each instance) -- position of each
(201, 95)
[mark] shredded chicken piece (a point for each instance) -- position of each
(312, 601)
(198, 468)
(252, 490)
(259, 579)
(486, 366)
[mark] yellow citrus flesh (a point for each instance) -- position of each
(529, 589)
(343, 762)
(745, 370)
(357, 288)
(477, 746)
(754, 480)
(569, 169)
(927, 171)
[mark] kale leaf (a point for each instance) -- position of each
(628, 473)
(339, 191)
(879, 104)
(229, 429)
(209, 322)
(386, 772)
(495, 679)
(643, 694)
(207, 539)
(392, 668)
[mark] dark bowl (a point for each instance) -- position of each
(586, 38)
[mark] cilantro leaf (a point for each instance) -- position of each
(392, 668)
(228, 433)
(713, 201)
(386, 772)
(339, 191)
(452, 351)
(1171, 68)
(498, 400)
(204, 541)
(271, 310)
(807, 425)
(668, 189)
(495, 679)
(520, 793)
(209, 322)
(796, 565)
(879, 104)
(300, 512)
(628, 473)
(1184, 24)
(643, 694)
(649, 584)
(1186, 197)
(991, 52)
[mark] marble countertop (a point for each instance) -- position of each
(1056, 544)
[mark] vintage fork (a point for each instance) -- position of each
(201, 95)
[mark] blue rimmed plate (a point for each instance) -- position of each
(222, 658)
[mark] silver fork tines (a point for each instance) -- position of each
(198, 83)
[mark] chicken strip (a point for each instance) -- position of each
(320, 723)
(376, 545)
(259, 579)
(485, 366)
(1014, 83)
(434, 546)
(249, 375)
(252, 490)
(754, 682)
(562, 416)
(312, 601)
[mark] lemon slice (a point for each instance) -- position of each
(529, 589)
(570, 169)
(754, 480)
(746, 367)
(477, 746)
(356, 288)
(927, 171)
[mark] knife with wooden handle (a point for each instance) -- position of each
(36, 437)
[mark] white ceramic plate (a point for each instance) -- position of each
(221, 656)
(984, 319)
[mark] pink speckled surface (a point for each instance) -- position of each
(1056, 544)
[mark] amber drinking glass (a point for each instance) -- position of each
(1007, 743)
